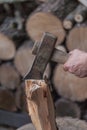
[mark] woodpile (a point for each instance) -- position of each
(22, 24)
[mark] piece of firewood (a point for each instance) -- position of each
(81, 13)
(69, 86)
(67, 108)
(60, 8)
(40, 104)
(7, 48)
(77, 39)
(7, 100)
(47, 23)
(9, 77)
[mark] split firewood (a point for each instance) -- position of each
(40, 105)
(77, 38)
(81, 13)
(7, 100)
(24, 59)
(9, 77)
(65, 108)
(7, 48)
(60, 8)
(69, 86)
(47, 23)
(66, 123)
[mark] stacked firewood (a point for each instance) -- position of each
(22, 23)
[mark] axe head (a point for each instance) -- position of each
(43, 56)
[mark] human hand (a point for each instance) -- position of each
(77, 63)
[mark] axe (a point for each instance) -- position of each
(39, 100)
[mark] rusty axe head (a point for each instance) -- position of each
(43, 56)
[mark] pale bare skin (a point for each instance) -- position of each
(77, 63)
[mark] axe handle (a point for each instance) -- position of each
(40, 104)
(60, 56)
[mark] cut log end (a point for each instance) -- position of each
(41, 22)
(78, 18)
(67, 24)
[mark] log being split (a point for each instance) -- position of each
(40, 105)
(81, 13)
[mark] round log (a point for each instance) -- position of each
(7, 48)
(81, 14)
(69, 86)
(9, 77)
(77, 39)
(7, 100)
(24, 58)
(66, 107)
(41, 22)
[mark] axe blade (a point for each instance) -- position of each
(43, 56)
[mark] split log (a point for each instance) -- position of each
(7, 48)
(77, 39)
(41, 22)
(7, 100)
(9, 77)
(81, 13)
(40, 104)
(69, 86)
(67, 108)
(24, 59)
(59, 7)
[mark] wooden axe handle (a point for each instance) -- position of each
(60, 56)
